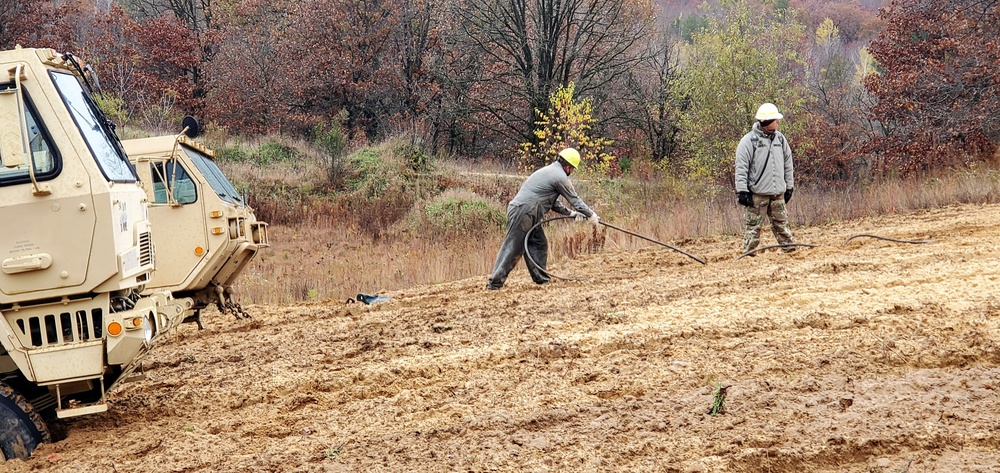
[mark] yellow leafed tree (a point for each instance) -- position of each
(566, 124)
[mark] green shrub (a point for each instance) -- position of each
(414, 157)
(329, 138)
(234, 154)
(625, 163)
(113, 106)
(367, 174)
(459, 212)
(272, 152)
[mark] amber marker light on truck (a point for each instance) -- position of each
(217, 231)
(115, 329)
(198, 251)
(216, 214)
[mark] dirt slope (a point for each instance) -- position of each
(872, 356)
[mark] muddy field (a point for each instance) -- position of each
(867, 356)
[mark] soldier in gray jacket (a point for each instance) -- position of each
(538, 194)
(765, 179)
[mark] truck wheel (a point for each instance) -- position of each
(21, 428)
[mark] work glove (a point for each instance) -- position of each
(745, 198)
(788, 195)
(577, 215)
(594, 219)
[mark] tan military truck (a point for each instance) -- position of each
(76, 252)
(201, 221)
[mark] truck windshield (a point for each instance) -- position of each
(215, 177)
(103, 145)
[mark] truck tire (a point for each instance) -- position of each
(21, 428)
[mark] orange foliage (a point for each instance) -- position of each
(148, 63)
(938, 93)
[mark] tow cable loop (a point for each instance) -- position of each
(527, 254)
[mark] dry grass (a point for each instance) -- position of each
(327, 255)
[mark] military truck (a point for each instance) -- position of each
(200, 220)
(76, 255)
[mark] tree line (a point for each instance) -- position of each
(867, 93)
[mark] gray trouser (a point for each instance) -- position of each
(774, 207)
(520, 219)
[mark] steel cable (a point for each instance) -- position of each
(786, 245)
(868, 235)
(528, 257)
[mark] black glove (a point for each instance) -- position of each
(745, 198)
(788, 194)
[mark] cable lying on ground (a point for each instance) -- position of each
(868, 235)
(787, 245)
(528, 257)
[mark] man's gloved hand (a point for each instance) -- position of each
(745, 198)
(577, 215)
(594, 219)
(788, 194)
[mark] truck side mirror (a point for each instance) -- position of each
(191, 127)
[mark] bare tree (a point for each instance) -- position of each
(647, 103)
(196, 14)
(531, 47)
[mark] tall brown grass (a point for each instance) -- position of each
(322, 250)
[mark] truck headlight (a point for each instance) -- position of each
(148, 328)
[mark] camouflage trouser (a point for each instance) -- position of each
(753, 218)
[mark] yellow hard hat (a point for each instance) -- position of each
(571, 156)
(768, 111)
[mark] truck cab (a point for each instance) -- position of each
(76, 255)
(201, 221)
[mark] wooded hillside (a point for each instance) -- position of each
(865, 91)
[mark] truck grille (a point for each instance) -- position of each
(60, 328)
(145, 249)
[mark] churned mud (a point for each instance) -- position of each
(869, 356)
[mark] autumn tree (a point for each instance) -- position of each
(417, 39)
(938, 86)
(16, 19)
(64, 25)
(348, 59)
(144, 69)
(248, 76)
(566, 123)
(649, 105)
(530, 48)
(199, 18)
(855, 23)
(833, 118)
(741, 60)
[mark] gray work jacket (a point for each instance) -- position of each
(759, 173)
(541, 191)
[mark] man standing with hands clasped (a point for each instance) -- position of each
(764, 179)
(538, 194)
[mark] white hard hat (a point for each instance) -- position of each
(768, 111)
